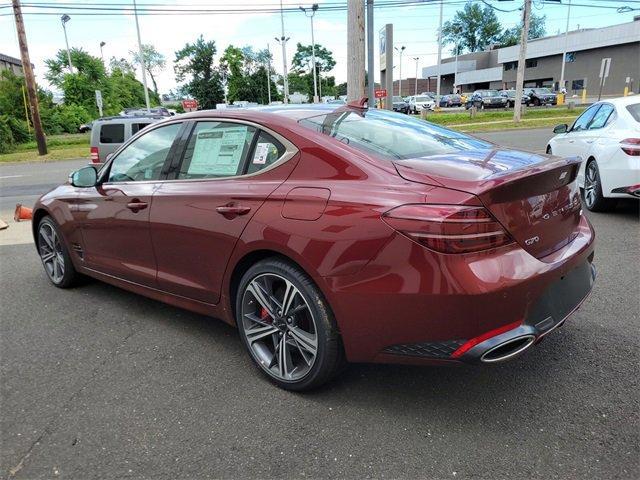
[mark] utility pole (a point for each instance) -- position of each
(313, 9)
(29, 78)
(142, 62)
(415, 90)
(283, 42)
(439, 56)
(355, 50)
(102, 44)
(370, 66)
(64, 19)
(526, 17)
(269, 73)
(564, 49)
(400, 52)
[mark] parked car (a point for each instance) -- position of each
(327, 233)
(541, 96)
(335, 101)
(452, 100)
(399, 105)
(482, 99)
(108, 133)
(137, 112)
(85, 127)
(421, 102)
(606, 136)
(510, 95)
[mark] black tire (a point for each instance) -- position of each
(54, 254)
(536, 102)
(329, 356)
(592, 192)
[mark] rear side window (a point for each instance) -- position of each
(267, 151)
(216, 150)
(391, 135)
(112, 133)
(136, 127)
(634, 110)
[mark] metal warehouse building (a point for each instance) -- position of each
(496, 68)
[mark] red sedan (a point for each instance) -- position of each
(329, 234)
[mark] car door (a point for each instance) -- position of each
(114, 215)
(573, 142)
(227, 171)
(595, 136)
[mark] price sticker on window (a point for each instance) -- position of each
(261, 154)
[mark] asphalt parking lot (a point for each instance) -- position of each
(100, 383)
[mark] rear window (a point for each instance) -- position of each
(634, 110)
(390, 135)
(112, 133)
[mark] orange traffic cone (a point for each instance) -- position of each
(22, 213)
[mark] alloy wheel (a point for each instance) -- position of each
(51, 254)
(590, 184)
(279, 327)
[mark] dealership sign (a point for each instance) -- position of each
(189, 105)
(380, 93)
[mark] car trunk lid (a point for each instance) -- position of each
(534, 197)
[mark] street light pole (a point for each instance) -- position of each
(283, 42)
(269, 73)
(313, 9)
(439, 55)
(564, 50)
(415, 92)
(400, 51)
(64, 19)
(102, 44)
(142, 63)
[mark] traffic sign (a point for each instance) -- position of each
(380, 93)
(605, 65)
(189, 105)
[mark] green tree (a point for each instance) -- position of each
(537, 29)
(245, 70)
(473, 28)
(194, 64)
(152, 60)
(122, 65)
(303, 69)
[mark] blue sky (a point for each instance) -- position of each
(414, 27)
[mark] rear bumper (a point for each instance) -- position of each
(411, 305)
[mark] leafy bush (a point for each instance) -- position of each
(69, 117)
(6, 137)
(19, 129)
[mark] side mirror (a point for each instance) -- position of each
(562, 128)
(84, 177)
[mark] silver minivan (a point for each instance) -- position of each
(108, 133)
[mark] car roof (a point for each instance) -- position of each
(623, 101)
(292, 112)
(123, 118)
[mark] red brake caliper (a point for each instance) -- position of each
(264, 315)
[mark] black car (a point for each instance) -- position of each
(482, 99)
(510, 95)
(453, 100)
(542, 96)
(399, 105)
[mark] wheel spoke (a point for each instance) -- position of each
(47, 239)
(47, 256)
(290, 293)
(256, 333)
(261, 296)
(284, 359)
(305, 340)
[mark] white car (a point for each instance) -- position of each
(607, 138)
(421, 102)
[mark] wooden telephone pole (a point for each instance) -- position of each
(355, 50)
(32, 90)
(522, 59)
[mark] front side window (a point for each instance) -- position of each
(112, 133)
(143, 159)
(582, 122)
(391, 136)
(601, 117)
(216, 150)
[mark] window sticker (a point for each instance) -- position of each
(218, 151)
(261, 154)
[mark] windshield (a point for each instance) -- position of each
(390, 135)
(509, 93)
(423, 99)
(489, 93)
(541, 90)
(398, 99)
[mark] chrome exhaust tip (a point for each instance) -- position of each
(507, 350)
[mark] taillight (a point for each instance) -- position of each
(631, 146)
(95, 156)
(448, 228)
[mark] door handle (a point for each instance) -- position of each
(230, 211)
(589, 141)
(136, 205)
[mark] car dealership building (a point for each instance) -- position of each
(497, 67)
